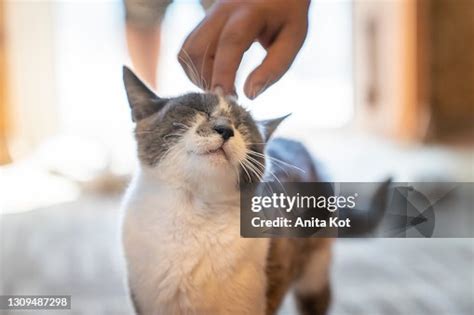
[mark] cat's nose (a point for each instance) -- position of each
(225, 131)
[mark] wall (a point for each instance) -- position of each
(30, 47)
(4, 116)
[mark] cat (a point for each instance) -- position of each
(181, 215)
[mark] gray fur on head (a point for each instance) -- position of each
(165, 125)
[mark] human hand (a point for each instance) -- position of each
(212, 53)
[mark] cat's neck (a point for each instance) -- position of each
(220, 191)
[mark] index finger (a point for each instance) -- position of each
(236, 37)
(198, 49)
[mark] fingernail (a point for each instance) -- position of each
(256, 91)
(218, 90)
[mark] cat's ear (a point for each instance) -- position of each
(268, 127)
(143, 101)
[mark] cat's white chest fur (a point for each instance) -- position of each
(185, 255)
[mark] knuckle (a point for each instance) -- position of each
(232, 38)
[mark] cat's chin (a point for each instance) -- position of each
(218, 154)
(215, 157)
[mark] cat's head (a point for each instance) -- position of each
(197, 137)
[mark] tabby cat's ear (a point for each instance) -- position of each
(142, 100)
(268, 127)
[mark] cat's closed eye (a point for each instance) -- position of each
(178, 125)
(206, 114)
(187, 110)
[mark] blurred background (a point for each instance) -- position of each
(380, 88)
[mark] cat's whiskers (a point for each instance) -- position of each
(197, 78)
(259, 174)
(206, 87)
(258, 154)
(189, 70)
(281, 168)
(259, 168)
(253, 170)
(276, 164)
(255, 166)
(245, 170)
(267, 170)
